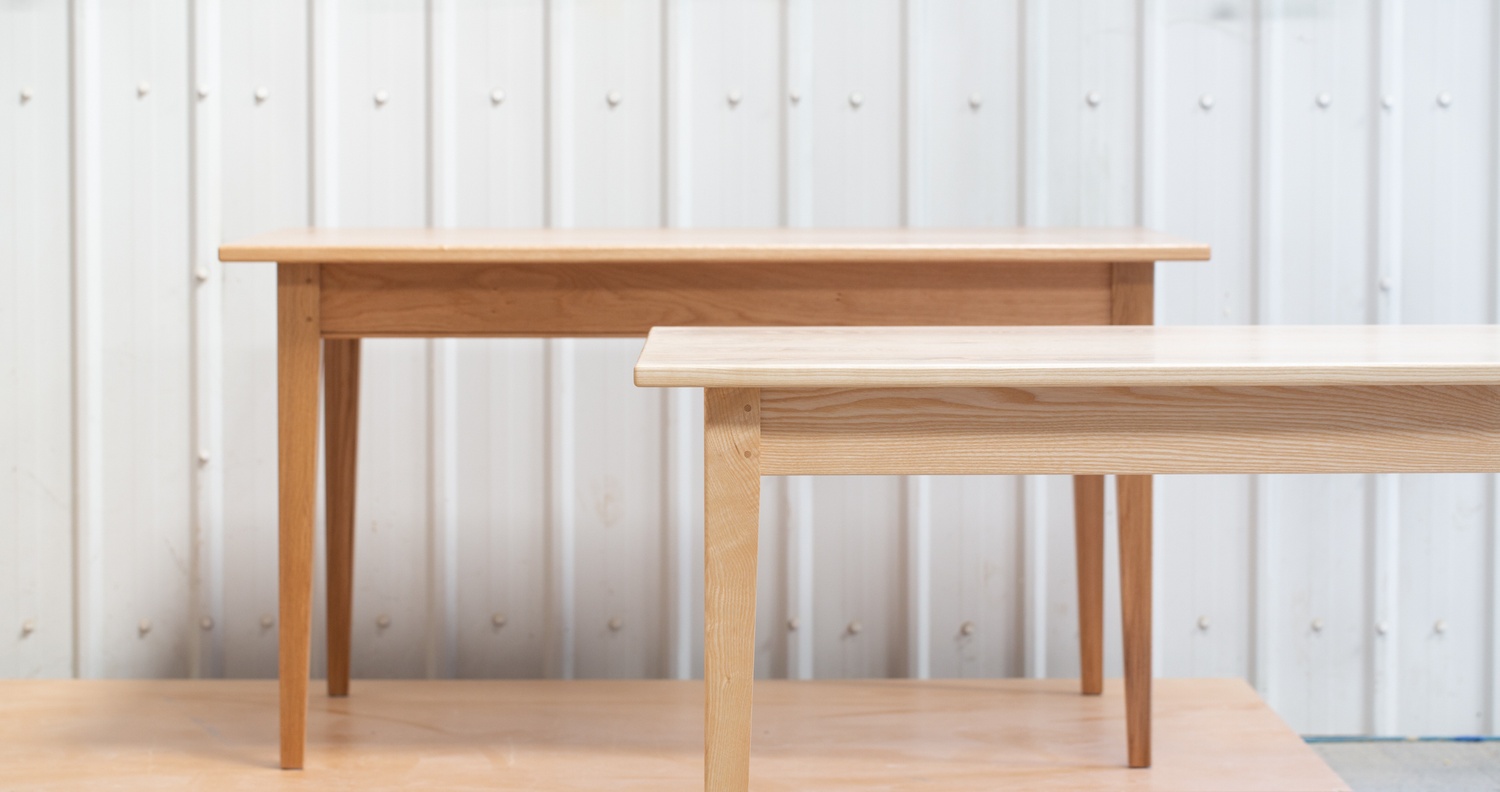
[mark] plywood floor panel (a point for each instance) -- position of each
(643, 735)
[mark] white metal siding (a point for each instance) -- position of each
(1340, 155)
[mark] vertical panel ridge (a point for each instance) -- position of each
(918, 489)
(1033, 147)
(797, 143)
(913, 33)
(1265, 250)
(798, 491)
(322, 129)
(919, 576)
(442, 434)
(557, 89)
(1034, 566)
(676, 140)
(442, 533)
(88, 363)
(1149, 57)
(1385, 509)
(1032, 201)
(207, 339)
(561, 399)
(678, 482)
(796, 211)
(1493, 716)
(561, 517)
(1148, 213)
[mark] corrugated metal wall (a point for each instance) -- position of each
(525, 511)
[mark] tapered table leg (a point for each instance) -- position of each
(341, 435)
(297, 287)
(1135, 601)
(731, 501)
(1088, 532)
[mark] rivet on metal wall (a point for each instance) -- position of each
(498, 619)
(25, 95)
(267, 621)
(28, 627)
(144, 627)
(202, 91)
(613, 98)
(1388, 101)
(615, 624)
(1381, 628)
(733, 98)
(203, 457)
(382, 621)
(792, 624)
(1444, 99)
(856, 99)
(1093, 98)
(1317, 625)
(854, 628)
(1385, 284)
(262, 94)
(141, 89)
(1324, 100)
(794, 97)
(975, 100)
(206, 623)
(381, 97)
(967, 628)
(1440, 627)
(497, 97)
(1206, 101)
(201, 274)
(1203, 622)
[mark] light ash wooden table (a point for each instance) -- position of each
(1133, 401)
(338, 286)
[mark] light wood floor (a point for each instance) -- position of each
(608, 735)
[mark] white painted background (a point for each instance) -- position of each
(529, 479)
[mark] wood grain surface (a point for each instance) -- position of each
(341, 450)
(1133, 293)
(1334, 429)
(495, 245)
(1088, 559)
(1212, 735)
(731, 500)
(1134, 496)
(844, 357)
(297, 415)
(628, 299)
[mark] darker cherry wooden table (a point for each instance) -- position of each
(335, 287)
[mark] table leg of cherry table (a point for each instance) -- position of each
(341, 436)
(1088, 532)
(1133, 302)
(297, 353)
(1135, 604)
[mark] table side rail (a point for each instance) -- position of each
(496, 300)
(1101, 430)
